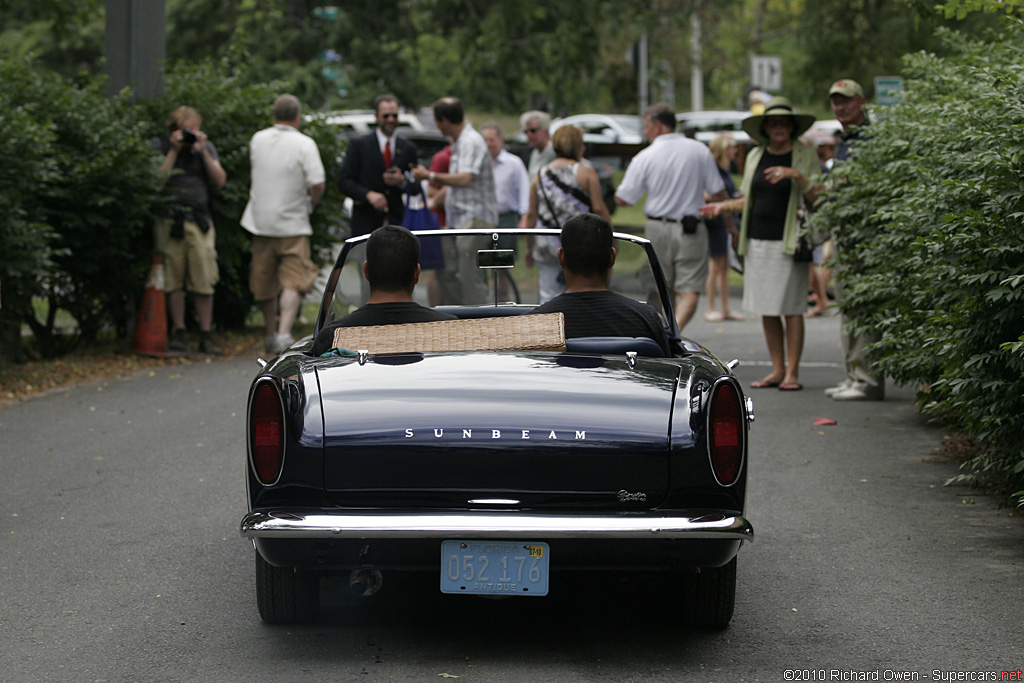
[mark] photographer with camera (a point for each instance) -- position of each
(187, 240)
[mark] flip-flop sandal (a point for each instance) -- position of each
(791, 386)
(764, 384)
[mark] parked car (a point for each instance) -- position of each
(491, 451)
(353, 122)
(705, 125)
(605, 129)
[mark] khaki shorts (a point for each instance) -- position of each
(683, 258)
(190, 262)
(280, 263)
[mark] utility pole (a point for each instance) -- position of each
(641, 74)
(136, 46)
(696, 61)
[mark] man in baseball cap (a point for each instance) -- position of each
(863, 382)
(847, 88)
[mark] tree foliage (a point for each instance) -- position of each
(929, 225)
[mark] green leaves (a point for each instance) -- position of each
(929, 226)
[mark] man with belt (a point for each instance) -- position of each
(675, 172)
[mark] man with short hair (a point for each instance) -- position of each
(675, 172)
(392, 268)
(538, 137)
(372, 171)
(511, 181)
(470, 201)
(590, 309)
(863, 382)
(287, 182)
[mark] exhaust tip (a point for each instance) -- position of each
(365, 582)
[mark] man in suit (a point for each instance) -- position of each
(372, 172)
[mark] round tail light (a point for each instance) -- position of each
(266, 433)
(725, 433)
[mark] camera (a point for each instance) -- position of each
(187, 136)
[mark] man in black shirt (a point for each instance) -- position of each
(590, 310)
(392, 268)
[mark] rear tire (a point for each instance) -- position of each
(284, 595)
(712, 596)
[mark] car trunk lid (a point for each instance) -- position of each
(530, 431)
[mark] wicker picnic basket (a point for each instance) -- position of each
(545, 332)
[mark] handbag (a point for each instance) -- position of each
(419, 217)
(804, 249)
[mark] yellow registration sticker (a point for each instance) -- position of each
(536, 551)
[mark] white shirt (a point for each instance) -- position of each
(285, 165)
(479, 200)
(512, 183)
(674, 171)
(383, 140)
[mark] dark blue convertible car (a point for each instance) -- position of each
(492, 451)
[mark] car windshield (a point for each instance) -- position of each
(494, 264)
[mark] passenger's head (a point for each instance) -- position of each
(392, 259)
(587, 245)
(286, 109)
(536, 124)
(184, 117)
(568, 142)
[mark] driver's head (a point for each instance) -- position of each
(587, 245)
(392, 259)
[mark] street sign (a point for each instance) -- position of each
(766, 72)
(888, 89)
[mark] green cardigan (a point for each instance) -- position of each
(805, 160)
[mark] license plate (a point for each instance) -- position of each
(494, 567)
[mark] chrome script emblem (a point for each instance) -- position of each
(629, 497)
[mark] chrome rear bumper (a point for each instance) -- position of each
(287, 524)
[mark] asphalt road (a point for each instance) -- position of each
(120, 558)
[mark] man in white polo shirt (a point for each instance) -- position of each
(287, 182)
(675, 172)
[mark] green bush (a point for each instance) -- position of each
(84, 217)
(929, 225)
(82, 190)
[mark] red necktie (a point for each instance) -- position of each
(387, 154)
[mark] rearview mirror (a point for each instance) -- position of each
(496, 258)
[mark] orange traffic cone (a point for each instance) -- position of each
(151, 328)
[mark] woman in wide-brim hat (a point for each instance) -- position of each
(776, 183)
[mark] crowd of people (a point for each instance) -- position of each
(694, 214)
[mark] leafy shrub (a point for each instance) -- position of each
(85, 216)
(929, 226)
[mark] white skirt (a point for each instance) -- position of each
(773, 284)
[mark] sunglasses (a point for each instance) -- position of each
(532, 130)
(389, 116)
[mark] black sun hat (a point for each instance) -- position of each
(776, 106)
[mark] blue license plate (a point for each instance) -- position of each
(494, 567)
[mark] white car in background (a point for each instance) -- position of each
(607, 129)
(705, 125)
(354, 122)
